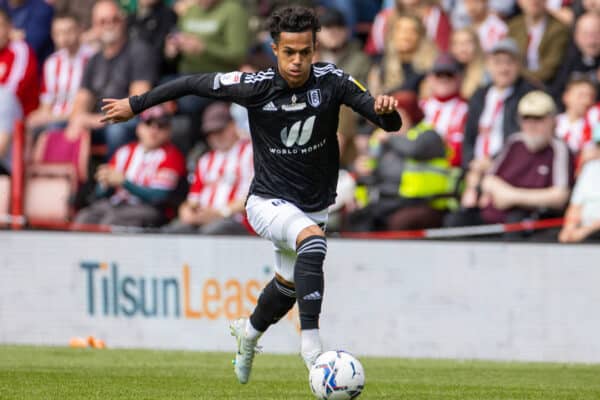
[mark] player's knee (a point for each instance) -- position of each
(307, 232)
(311, 254)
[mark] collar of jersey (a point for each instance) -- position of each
(282, 83)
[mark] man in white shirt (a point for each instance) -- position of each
(61, 75)
(492, 116)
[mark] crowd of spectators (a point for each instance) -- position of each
(499, 101)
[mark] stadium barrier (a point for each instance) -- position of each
(17, 174)
(534, 302)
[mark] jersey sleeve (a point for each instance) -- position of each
(246, 172)
(232, 86)
(353, 94)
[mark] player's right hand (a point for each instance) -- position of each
(116, 110)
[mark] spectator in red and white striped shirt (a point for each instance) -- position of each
(572, 125)
(62, 74)
(141, 179)
(222, 178)
(18, 67)
(445, 110)
(490, 28)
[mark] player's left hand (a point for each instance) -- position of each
(385, 104)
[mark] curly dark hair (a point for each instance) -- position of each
(293, 19)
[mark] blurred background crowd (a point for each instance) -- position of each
(498, 98)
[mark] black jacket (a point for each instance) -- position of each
(476, 105)
(573, 63)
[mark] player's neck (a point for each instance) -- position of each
(295, 84)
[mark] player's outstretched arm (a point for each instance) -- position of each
(214, 85)
(380, 111)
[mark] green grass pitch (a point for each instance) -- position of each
(62, 373)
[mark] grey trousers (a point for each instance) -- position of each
(104, 213)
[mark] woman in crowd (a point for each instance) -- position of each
(408, 56)
(465, 48)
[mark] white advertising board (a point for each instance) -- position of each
(409, 299)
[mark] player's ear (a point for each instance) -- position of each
(274, 48)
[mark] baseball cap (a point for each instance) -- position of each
(332, 17)
(216, 117)
(445, 63)
(536, 104)
(506, 45)
(157, 112)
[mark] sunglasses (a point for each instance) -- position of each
(160, 123)
(533, 117)
(447, 75)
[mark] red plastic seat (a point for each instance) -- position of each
(58, 167)
(4, 195)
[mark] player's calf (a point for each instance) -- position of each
(274, 302)
(308, 277)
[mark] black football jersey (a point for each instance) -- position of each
(294, 130)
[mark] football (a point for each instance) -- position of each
(336, 375)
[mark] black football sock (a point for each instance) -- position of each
(274, 302)
(308, 277)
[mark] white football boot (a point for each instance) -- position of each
(246, 348)
(311, 357)
(310, 347)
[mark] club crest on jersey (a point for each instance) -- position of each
(314, 97)
(294, 106)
